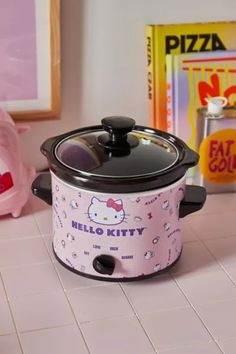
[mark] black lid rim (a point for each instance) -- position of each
(120, 177)
(114, 186)
(187, 158)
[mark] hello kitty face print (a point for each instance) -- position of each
(109, 212)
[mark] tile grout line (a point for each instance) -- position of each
(219, 343)
(136, 315)
(45, 328)
(215, 238)
(77, 323)
(229, 276)
(65, 293)
(36, 221)
(209, 239)
(19, 238)
(71, 308)
(217, 212)
(12, 316)
(213, 256)
(212, 213)
(214, 339)
(196, 312)
(221, 265)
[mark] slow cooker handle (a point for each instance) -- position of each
(190, 159)
(41, 187)
(46, 147)
(194, 199)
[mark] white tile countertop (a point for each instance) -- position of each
(46, 309)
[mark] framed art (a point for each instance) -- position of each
(30, 58)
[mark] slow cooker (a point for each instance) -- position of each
(118, 191)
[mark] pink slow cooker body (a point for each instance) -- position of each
(141, 231)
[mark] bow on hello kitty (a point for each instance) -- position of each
(111, 203)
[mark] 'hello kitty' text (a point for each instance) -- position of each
(108, 232)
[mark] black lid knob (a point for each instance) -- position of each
(118, 127)
(117, 140)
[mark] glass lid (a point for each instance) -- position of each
(117, 149)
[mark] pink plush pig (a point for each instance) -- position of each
(15, 176)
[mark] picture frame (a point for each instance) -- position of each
(30, 58)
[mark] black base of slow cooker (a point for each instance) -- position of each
(141, 277)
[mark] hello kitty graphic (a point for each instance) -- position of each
(166, 226)
(157, 267)
(149, 254)
(74, 204)
(155, 240)
(165, 205)
(110, 212)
